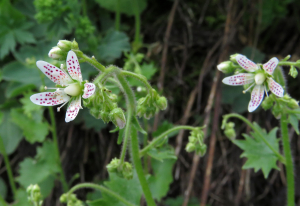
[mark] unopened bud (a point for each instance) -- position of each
(226, 67)
(117, 117)
(267, 103)
(230, 133)
(162, 103)
(201, 150)
(233, 58)
(55, 53)
(127, 171)
(104, 116)
(113, 165)
(292, 103)
(75, 45)
(64, 45)
(190, 147)
(293, 72)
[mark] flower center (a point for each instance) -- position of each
(73, 90)
(259, 78)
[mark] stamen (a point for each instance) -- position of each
(50, 88)
(266, 91)
(62, 66)
(249, 88)
(58, 108)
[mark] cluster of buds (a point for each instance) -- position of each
(277, 105)
(125, 170)
(70, 200)
(229, 130)
(34, 195)
(149, 105)
(60, 51)
(103, 104)
(196, 142)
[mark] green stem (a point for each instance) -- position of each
(131, 110)
(126, 137)
(137, 21)
(139, 77)
(92, 61)
(279, 156)
(106, 74)
(293, 111)
(118, 16)
(289, 161)
(54, 135)
(102, 189)
(162, 136)
(145, 144)
(84, 7)
(138, 167)
(8, 168)
(287, 63)
(2, 201)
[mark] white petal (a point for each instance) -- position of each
(73, 109)
(245, 63)
(50, 98)
(270, 65)
(73, 66)
(53, 73)
(89, 89)
(239, 79)
(257, 96)
(275, 87)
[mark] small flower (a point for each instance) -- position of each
(70, 90)
(257, 77)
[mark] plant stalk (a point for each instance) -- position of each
(289, 161)
(137, 22)
(118, 16)
(54, 135)
(8, 168)
(102, 189)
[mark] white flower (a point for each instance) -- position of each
(257, 77)
(70, 90)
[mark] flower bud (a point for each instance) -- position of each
(64, 45)
(192, 139)
(113, 165)
(230, 133)
(276, 111)
(117, 117)
(233, 58)
(190, 147)
(292, 103)
(104, 116)
(56, 53)
(293, 72)
(201, 150)
(74, 45)
(226, 67)
(267, 103)
(162, 103)
(63, 198)
(127, 171)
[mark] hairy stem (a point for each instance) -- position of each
(92, 61)
(137, 22)
(131, 110)
(2, 201)
(8, 168)
(139, 77)
(162, 136)
(279, 156)
(102, 189)
(289, 161)
(54, 135)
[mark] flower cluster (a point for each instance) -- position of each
(256, 76)
(149, 105)
(34, 195)
(70, 200)
(229, 130)
(69, 89)
(196, 142)
(125, 170)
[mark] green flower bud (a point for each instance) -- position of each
(192, 139)
(201, 150)
(276, 111)
(117, 117)
(34, 194)
(64, 45)
(113, 165)
(95, 112)
(229, 125)
(113, 97)
(74, 45)
(230, 133)
(226, 67)
(293, 72)
(190, 147)
(127, 171)
(150, 112)
(162, 103)
(63, 198)
(267, 103)
(292, 103)
(233, 58)
(104, 116)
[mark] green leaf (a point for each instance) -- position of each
(33, 129)
(258, 154)
(41, 170)
(130, 190)
(112, 46)
(16, 88)
(148, 70)
(10, 133)
(8, 44)
(160, 181)
(126, 6)
(21, 198)
(162, 153)
(3, 188)
(28, 106)
(293, 119)
(178, 201)
(89, 121)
